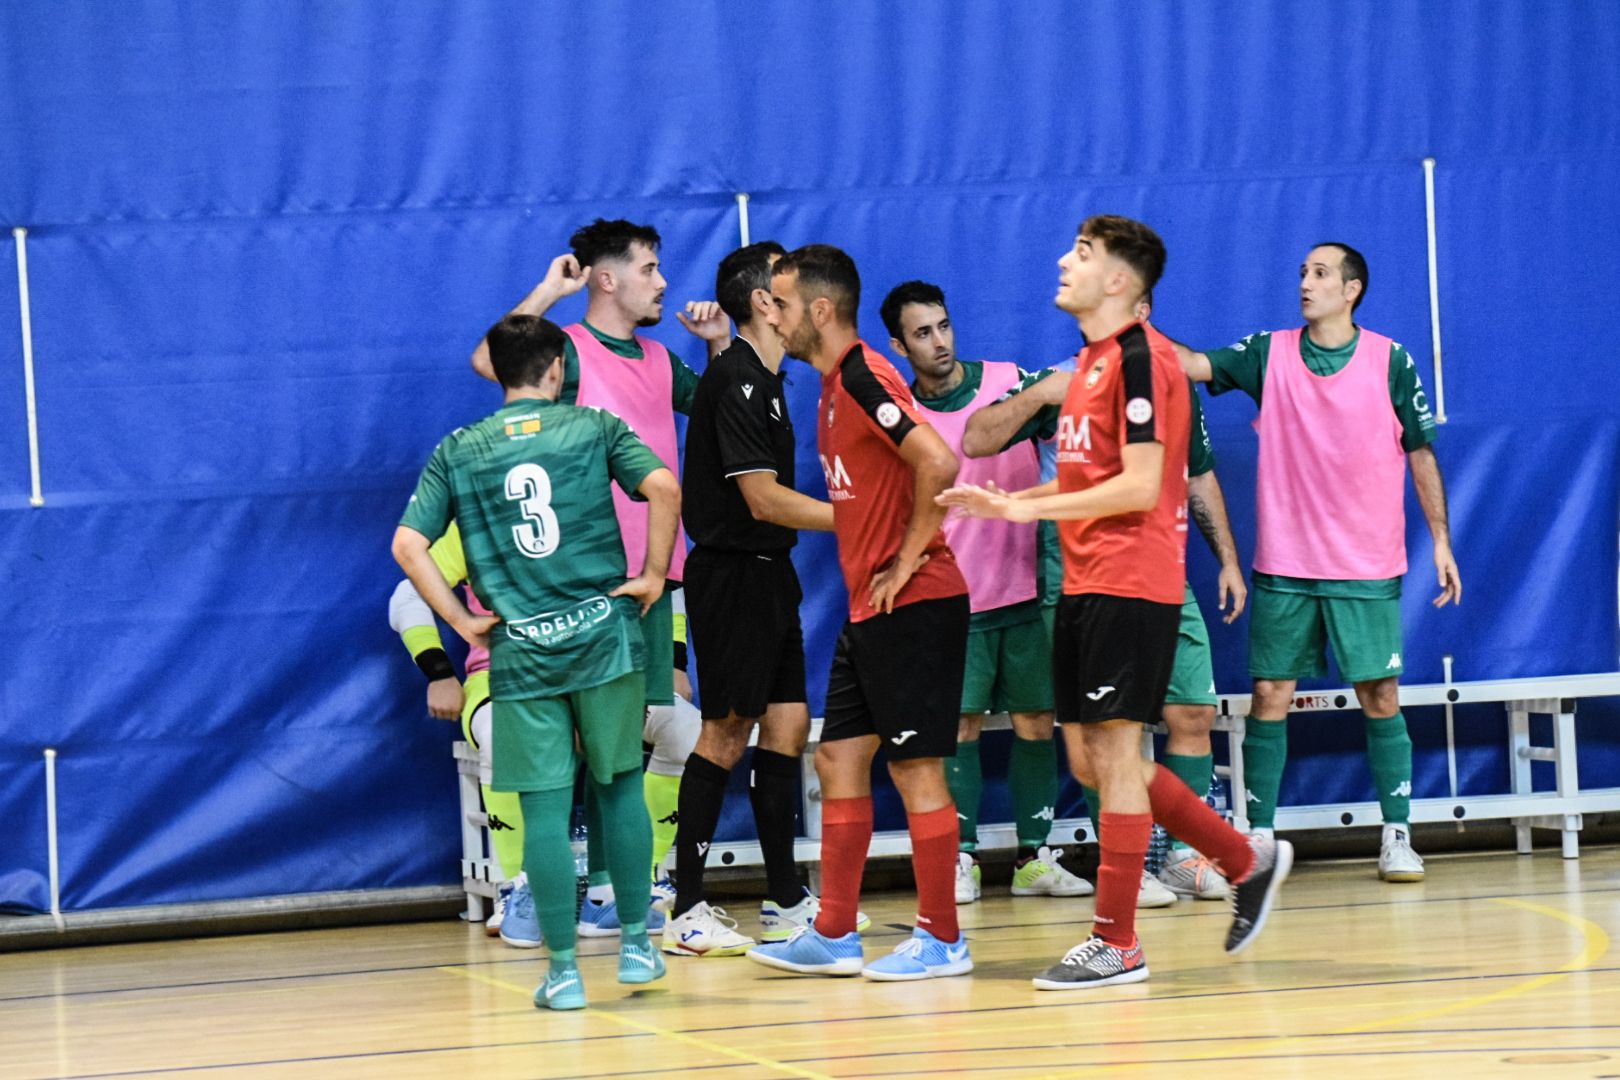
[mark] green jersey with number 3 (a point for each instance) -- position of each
(529, 488)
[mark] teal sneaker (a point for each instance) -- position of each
(922, 956)
(809, 953)
(639, 962)
(563, 989)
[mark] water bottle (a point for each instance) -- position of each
(1158, 850)
(582, 861)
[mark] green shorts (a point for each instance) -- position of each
(1009, 669)
(1192, 679)
(534, 739)
(1289, 633)
(658, 632)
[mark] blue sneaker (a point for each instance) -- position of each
(639, 963)
(563, 989)
(809, 953)
(663, 894)
(520, 928)
(601, 919)
(922, 956)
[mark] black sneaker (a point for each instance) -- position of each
(1253, 896)
(1094, 962)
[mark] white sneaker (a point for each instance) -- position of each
(1396, 859)
(1044, 876)
(777, 923)
(1152, 894)
(1194, 876)
(704, 931)
(969, 879)
(663, 894)
(497, 910)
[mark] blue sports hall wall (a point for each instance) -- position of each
(263, 239)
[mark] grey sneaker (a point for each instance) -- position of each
(1253, 896)
(1094, 962)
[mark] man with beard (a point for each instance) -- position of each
(896, 678)
(608, 364)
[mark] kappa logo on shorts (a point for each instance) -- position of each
(1403, 790)
(1394, 662)
(1097, 694)
(900, 739)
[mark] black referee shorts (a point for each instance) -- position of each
(1112, 657)
(899, 677)
(742, 614)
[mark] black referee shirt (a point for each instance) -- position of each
(738, 424)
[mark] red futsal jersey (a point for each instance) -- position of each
(866, 411)
(1126, 389)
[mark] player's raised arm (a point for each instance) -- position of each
(564, 277)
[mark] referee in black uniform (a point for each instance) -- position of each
(742, 606)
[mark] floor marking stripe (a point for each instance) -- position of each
(654, 1029)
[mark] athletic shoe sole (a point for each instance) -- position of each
(1135, 975)
(517, 944)
(1027, 891)
(719, 950)
(848, 966)
(940, 971)
(1279, 874)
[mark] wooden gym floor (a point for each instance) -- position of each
(1498, 965)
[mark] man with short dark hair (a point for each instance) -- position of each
(1343, 415)
(1031, 410)
(1120, 500)
(530, 490)
(743, 596)
(1009, 657)
(607, 363)
(897, 668)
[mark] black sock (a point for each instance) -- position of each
(773, 789)
(1025, 854)
(703, 790)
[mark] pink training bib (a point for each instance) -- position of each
(1331, 481)
(996, 557)
(638, 392)
(477, 658)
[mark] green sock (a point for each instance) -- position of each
(1265, 752)
(629, 849)
(965, 777)
(550, 859)
(1389, 753)
(1032, 776)
(505, 812)
(1093, 809)
(595, 839)
(662, 794)
(1195, 772)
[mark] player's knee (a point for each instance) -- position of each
(969, 726)
(1036, 725)
(1272, 697)
(1189, 723)
(1379, 697)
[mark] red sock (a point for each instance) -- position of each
(933, 861)
(1123, 840)
(846, 834)
(1188, 818)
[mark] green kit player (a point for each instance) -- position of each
(531, 489)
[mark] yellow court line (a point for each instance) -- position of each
(1596, 946)
(653, 1029)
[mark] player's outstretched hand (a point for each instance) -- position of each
(1230, 584)
(565, 277)
(1450, 580)
(644, 590)
(704, 319)
(888, 581)
(475, 630)
(445, 698)
(989, 501)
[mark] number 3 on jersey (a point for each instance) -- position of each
(538, 536)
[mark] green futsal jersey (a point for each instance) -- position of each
(529, 488)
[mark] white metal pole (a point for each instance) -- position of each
(1451, 737)
(742, 216)
(20, 235)
(50, 837)
(1434, 294)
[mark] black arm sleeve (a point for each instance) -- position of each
(875, 399)
(1136, 378)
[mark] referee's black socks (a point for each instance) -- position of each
(703, 791)
(773, 789)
